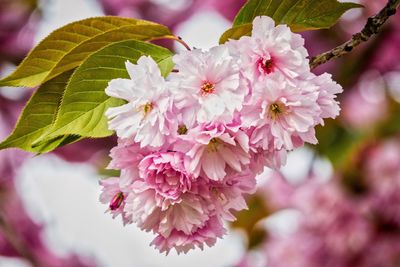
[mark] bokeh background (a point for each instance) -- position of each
(336, 204)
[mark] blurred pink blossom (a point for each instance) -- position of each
(382, 173)
(18, 21)
(169, 13)
(340, 228)
(277, 192)
(366, 104)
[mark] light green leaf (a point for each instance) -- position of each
(299, 15)
(67, 47)
(84, 101)
(37, 117)
(236, 32)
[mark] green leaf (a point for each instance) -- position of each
(84, 102)
(37, 117)
(299, 15)
(236, 32)
(67, 47)
(51, 144)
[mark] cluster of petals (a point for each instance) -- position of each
(191, 144)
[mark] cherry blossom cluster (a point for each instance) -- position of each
(191, 144)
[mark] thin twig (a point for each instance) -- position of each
(371, 27)
(179, 40)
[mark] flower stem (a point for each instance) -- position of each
(179, 40)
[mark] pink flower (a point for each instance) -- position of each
(369, 99)
(228, 195)
(166, 174)
(114, 196)
(296, 250)
(332, 230)
(261, 158)
(281, 111)
(183, 212)
(339, 226)
(328, 89)
(126, 157)
(277, 191)
(383, 251)
(383, 176)
(208, 85)
(212, 147)
(151, 212)
(19, 25)
(270, 50)
(183, 242)
(143, 117)
(382, 164)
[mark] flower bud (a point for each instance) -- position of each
(116, 201)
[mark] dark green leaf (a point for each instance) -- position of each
(299, 15)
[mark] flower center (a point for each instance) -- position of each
(276, 109)
(266, 65)
(207, 88)
(182, 129)
(213, 145)
(218, 194)
(147, 108)
(116, 201)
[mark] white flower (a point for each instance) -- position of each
(208, 85)
(143, 117)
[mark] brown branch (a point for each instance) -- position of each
(371, 27)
